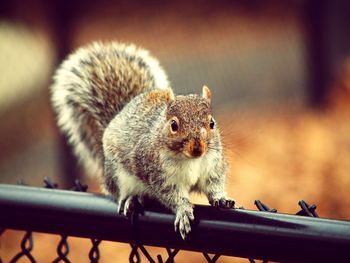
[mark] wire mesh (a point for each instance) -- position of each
(26, 248)
(137, 248)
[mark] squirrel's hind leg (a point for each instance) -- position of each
(126, 189)
(109, 183)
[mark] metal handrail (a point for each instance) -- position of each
(242, 233)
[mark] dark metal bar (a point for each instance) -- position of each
(63, 14)
(326, 25)
(239, 232)
(318, 50)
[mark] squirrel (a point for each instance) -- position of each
(114, 103)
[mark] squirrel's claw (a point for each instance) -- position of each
(183, 220)
(121, 205)
(128, 205)
(223, 203)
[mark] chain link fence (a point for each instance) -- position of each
(263, 234)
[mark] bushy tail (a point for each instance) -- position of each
(92, 85)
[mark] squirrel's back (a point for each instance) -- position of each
(92, 85)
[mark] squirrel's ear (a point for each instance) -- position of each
(170, 95)
(206, 93)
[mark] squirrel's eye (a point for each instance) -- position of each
(211, 123)
(174, 125)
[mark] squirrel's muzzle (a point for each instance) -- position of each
(196, 148)
(197, 151)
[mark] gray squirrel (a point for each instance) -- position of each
(125, 124)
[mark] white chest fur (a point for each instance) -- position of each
(185, 173)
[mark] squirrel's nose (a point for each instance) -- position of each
(197, 151)
(196, 148)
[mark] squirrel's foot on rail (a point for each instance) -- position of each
(222, 202)
(128, 205)
(184, 216)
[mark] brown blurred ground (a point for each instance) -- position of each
(280, 150)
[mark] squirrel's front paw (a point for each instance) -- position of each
(183, 219)
(223, 202)
(128, 205)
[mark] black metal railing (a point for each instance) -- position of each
(265, 235)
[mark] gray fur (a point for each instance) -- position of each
(113, 103)
(136, 140)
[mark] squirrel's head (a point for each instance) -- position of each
(190, 127)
